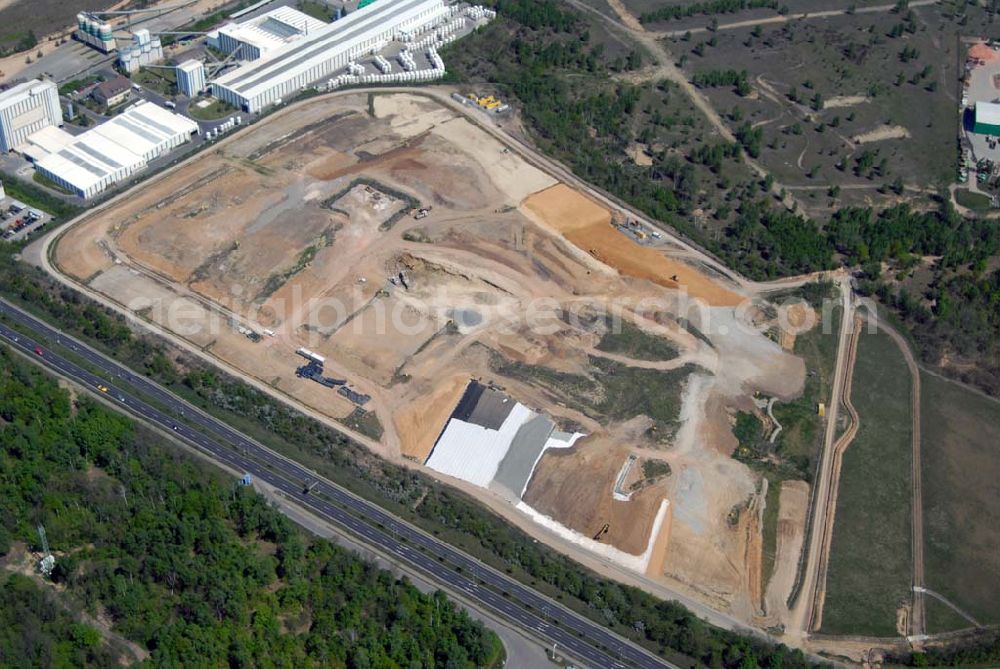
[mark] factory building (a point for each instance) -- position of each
(144, 50)
(95, 32)
(318, 55)
(89, 163)
(987, 119)
(26, 109)
(191, 77)
(264, 34)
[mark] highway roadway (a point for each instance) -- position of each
(492, 590)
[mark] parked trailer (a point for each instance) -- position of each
(309, 355)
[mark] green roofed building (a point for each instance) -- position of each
(987, 119)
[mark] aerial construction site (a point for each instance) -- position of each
(386, 261)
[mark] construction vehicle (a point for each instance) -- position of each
(641, 234)
(489, 99)
(602, 531)
(493, 105)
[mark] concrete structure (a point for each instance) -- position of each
(987, 118)
(493, 441)
(266, 33)
(144, 50)
(113, 92)
(191, 77)
(26, 109)
(115, 150)
(95, 32)
(318, 55)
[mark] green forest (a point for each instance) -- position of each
(184, 563)
(550, 59)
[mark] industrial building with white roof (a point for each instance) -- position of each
(111, 152)
(265, 33)
(322, 52)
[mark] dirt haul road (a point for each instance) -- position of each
(800, 617)
(826, 530)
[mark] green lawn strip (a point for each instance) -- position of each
(942, 618)
(770, 530)
(870, 562)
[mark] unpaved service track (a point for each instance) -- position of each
(918, 613)
(801, 615)
(830, 503)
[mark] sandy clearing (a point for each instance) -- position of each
(637, 152)
(515, 178)
(880, 134)
(587, 225)
(844, 101)
(419, 423)
(793, 502)
(410, 115)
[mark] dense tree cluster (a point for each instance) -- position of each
(188, 565)
(715, 78)
(36, 631)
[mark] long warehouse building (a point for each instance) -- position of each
(317, 56)
(87, 164)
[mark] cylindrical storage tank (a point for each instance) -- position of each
(105, 32)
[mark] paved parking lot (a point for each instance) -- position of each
(17, 220)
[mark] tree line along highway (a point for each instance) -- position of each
(488, 588)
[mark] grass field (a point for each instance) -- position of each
(216, 110)
(942, 618)
(974, 201)
(870, 562)
(961, 488)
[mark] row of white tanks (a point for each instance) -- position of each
(391, 77)
(95, 32)
(224, 128)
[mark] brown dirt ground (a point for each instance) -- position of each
(587, 225)
(419, 424)
(793, 502)
(175, 240)
(575, 485)
(657, 560)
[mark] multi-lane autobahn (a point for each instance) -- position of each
(488, 588)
